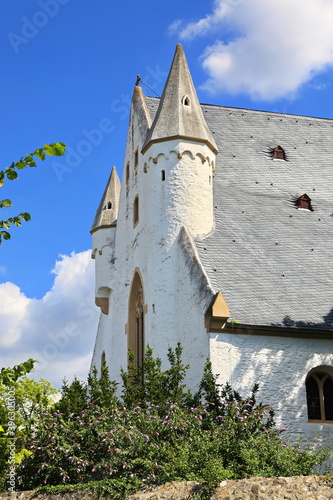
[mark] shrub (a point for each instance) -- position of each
(156, 433)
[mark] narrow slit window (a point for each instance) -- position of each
(136, 211)
(136, 158)
(163, 175)
(127, 172)
(279, 153)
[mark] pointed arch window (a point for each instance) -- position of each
(279, 154)
(136, 327)
(319, 395)
(186, 100)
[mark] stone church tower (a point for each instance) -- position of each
(220, 236)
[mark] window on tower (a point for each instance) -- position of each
(127, 173)
(136, 211)
(136, 326)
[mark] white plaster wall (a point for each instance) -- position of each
(103, 253)
(194, 295)
(280, 366)
(185, 198)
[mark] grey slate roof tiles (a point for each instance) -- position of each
(272, 262)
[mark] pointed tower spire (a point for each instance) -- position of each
(107, 211)
(179, 114)
(139, 107)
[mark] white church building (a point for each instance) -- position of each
(220, 236)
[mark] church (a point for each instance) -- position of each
(220, 236)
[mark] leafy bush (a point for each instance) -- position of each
(22, 399)
(158, 432)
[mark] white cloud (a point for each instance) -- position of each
(58, 330)
(279, 45)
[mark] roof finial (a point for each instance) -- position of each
(138, 80)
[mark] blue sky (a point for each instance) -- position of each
(68, 72)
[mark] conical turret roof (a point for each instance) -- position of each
(107, 211)
(179, 113)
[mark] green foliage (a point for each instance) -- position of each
(149, 384)
(31, 399)
(154, 434)
(99, 391)
(106, 488)
(23, 400)
(74, 398)
(8, 376)
(56, 149)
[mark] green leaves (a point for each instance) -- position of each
(25, 216)
(4, 235)
(20, 164)
(40, 154)
(9, 375)
(5, 203)
(54, 149)
(11, 174)
(16, 221)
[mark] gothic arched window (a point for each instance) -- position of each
(136, 333)
(319, 395)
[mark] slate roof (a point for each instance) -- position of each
(272, 262)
